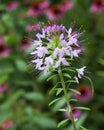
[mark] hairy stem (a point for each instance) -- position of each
(66, 98)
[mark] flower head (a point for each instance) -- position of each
(97, 6)
(4, 49)
(12, 5)
(54, 12)
(85, 93)
(81, 71)
(38, 8)
(66, 5)
(6, 124)
(3, 87)
(52, 47)
(76, 113)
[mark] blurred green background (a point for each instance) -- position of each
(24, 94)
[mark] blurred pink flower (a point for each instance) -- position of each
(3, 87)
(6, 125)
(4, 49)
(38, 8)
(32, 27)
(97, 6)
(12, 5)
(25, 43)
(54, 12)
(85, 93)
(66, 5)
(76, 112)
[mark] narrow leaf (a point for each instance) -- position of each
(67, 75)
(70, 70)
(53, 101)
(59, 90)
(83, 128)
(75, 91)
(51, 77)
(71, 81)
(62, 123)
(62, 110)
(68, 110)
(53, 88)
(73, 100)
(83, 108)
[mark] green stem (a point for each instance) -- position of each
(67, 100)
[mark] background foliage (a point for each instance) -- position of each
(24, 101)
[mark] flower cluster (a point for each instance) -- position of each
(6, 124)
(55, 12)
(85, 93)
(3, 87)
(4, 49)
(97, 6)
(54, 46)
(80, 73)
(51, 11)
(12, 5)
(76, 112)
(38, 8)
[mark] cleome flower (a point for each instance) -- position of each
(97, 6)
(85, 93)
(3, 87)
(6, 124)
(81, 71)
(37, 8)
(76, 112)
(12, 6)
(53, 46)
(80, 74)
(4, 49)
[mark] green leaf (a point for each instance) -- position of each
(51, 77)
(3, 78)
(11, 39)
(2, 29)
(80, 121)
(70, 81)
(59, 90)
(59, 104)
(53, 88)
(21, 65)
(73, 100)
(62, 110)
(62, 123)
(101, 61)
(34, 96)
(83, 128)
(13, 98)
(75, 91)
(100, 73)
(83, 108)
(2, 6)
(8, 21)
(70, 70)
(53, 101)
(45, 122)
(6, 69)
(68, 110)
(67, 75)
